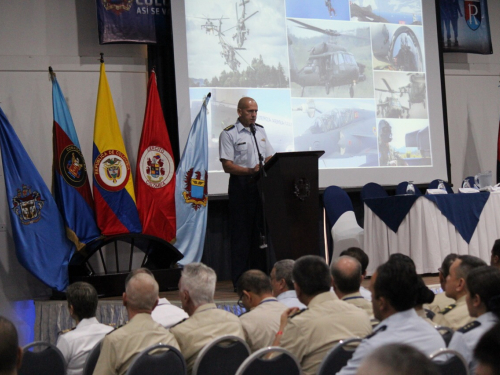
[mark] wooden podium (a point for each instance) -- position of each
(291, 203)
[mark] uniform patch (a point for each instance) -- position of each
(469, 327)
(447, 309)
(229, 127)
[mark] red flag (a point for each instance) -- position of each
(155, 172)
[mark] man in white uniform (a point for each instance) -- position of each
(282, 284)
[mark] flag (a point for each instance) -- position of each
(70, 182)
(113, 187)
(155, 178)
(191, 199)
(37, 226)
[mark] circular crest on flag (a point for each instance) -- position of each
(112, 170)
(72, 166)
(157, 167)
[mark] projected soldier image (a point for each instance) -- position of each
(401, 95)
(228, 47)
(323, 9)
(405, 12)
(329, 59)
(344, 130)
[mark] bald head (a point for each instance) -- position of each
(245, 102)
(141, 293)
(346, 273)
(247, 111)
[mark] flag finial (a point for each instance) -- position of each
(52, 74)
(102, 58)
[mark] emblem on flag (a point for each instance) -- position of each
(72, 166)
(28, 205)
(473, 13)
(117, 6)
(157, 167)
(112, 170)
(195, 189)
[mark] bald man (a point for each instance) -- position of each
(238, 145)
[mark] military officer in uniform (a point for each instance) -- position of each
(310, 333)
(483, 303)
(262, 319)
(239, 157)
(206, 322)
(457, 315)
(440, 300)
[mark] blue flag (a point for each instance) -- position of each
(37, 226)
(191, 191)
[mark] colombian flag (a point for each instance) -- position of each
(70, 182)
(113, 187)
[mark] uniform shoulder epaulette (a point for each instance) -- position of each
(469, 327)
(66, 331)
(229, 127)
(379, 329)
(260, 126)
(429, 314)
(182, 321)
(298, 313)
(117, 328)
(448, 308)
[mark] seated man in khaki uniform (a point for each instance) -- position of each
(457, 315)
(346, 273)
(262, 319)
(121, 345)
(440, 300)
(310, 333)
(206, 322)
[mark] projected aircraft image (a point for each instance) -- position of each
(397, 47)
(403, 12)
(345, 130)
(329, 59)
(226, 48)
(401, 95)
(320, 9)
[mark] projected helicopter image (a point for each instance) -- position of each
(335, 63)
(346, 131)
(402, 12)
(401, 95)
(397, 48)
(226, 49)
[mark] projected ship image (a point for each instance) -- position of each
(344, 133)
(329, 68)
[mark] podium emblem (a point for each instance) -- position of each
(302, 188)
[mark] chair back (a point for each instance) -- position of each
(338, 356)
(446, 333)
(222, 356)
(158, 359)
(264, 362)
(336, 202)
(42, 358)
(372, 190)
(92, 358)
(450, 362)
(401, 189)
(434, 185)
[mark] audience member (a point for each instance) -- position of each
(262, 319)
(440, 300)
(121, 346)
(206, 322)
(282, 284)
(10, 353)
(483, 303)
(76, 344)
(486, 353)
(424, 296)
(362, 258)
(456, 315)
(310, 333)
(346, 273)
(397, 359)
(495, 254)
(394, 292)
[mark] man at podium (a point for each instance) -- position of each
(239, 148)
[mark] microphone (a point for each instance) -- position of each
(252, 128)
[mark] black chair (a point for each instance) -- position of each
(338, 356)
(264, 362)
(42, 358)
(158, 359)
(446, 333)
(92, 358)
(372, 190)
(450, 362)
(222, 356)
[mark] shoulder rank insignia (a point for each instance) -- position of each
(66, 331)
(379, 329)
(182, 321)
(260, 126)
(229, 127)
(469, 327)
(448, 308)
(298, 313)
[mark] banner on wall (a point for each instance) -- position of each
(130, 21)
(465, 26)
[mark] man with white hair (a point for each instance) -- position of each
(121, 346)
(206, 322)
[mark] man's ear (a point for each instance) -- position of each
(476, 300)
(156, 303)
(495, 259)
(461, 284)
(124, 298)
(282, 284)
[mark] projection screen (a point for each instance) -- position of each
(359, 79)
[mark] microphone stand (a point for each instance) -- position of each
(262, 175)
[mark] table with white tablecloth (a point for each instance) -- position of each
(426, 235)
